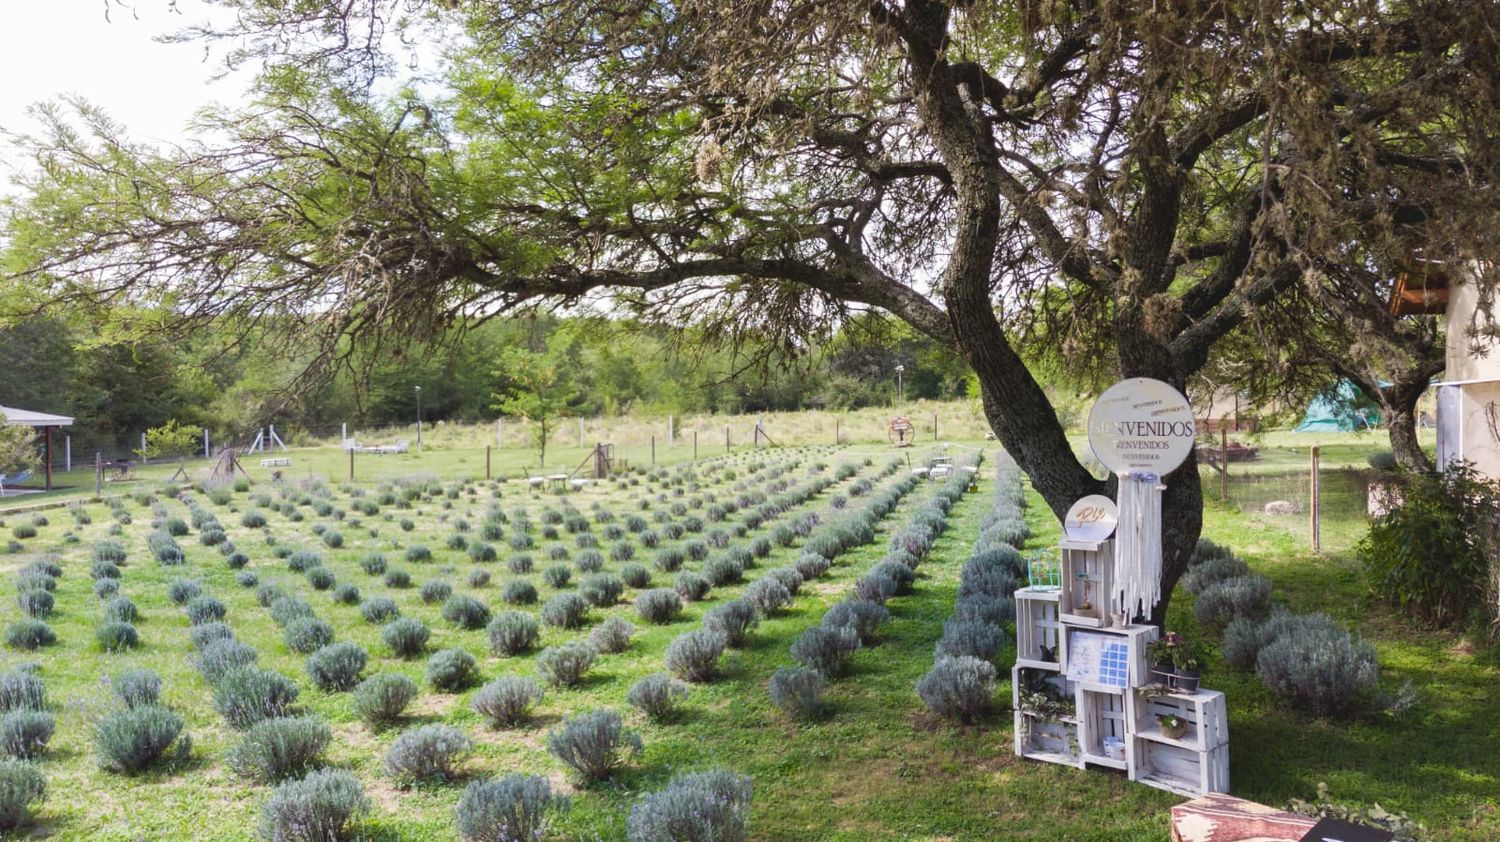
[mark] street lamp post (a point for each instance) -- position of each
(900, 392)
(419, 419)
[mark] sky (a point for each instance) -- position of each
(106, 54)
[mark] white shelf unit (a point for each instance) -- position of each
(1136, 638)
(1102, 714)
(1087, 581)
(1181, 770)
(1048, 739)
(1038, 627)
(1205, 712)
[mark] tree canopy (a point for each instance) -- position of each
(1123, 185)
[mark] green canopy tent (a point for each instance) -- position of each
(1341, 409)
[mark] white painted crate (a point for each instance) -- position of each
(1096, 561)
(1180, 770)
(1047, 740)
(1205, 712)
(1137, 638)
(1038, 627)
(1102, 714)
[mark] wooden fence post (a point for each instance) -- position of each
(695, 445)
(653, 451)
(98, 473)
(487, 462)
(351, 464)
(1315, 504)
(1223, 463)
(726, 439)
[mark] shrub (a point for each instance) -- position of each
(588, 561)
(958, 688)
(303, 561)
(133, 739)
(382, 698)
(25, 733)
(206, 633)
(1320, 668)
(451, 670)
(205, 609)
(428, 753)
(121, 609)
(380, 609)
(24, 531)
(482, 553)
(1213, 571)
(558, 575)
(318, 808)
(767, 596)
(29, 633)
(875, 587)
(406, 636)
(512, 809)
(21, 690)
(220, 656)
(104, 570)
(711, 806)
(694, 656)
(657, 695)
(565, 611)
(478, 578)
(466, 612)
(416, 554)
(635, 575)
(519, 592)
(565, 665)
(245, 695)
(435, 591)
(982, 608)
(863, 616)
(22, 786)
(592, 744)
(275, 749)
(966, 637)
(336, 667)
(1430, 555)
(722, 571)
(267, 594)
(812, 565)
(661, 605)
(117, 636)
(601, 589)
(512, 632)
(305, 635)
(373, 564)
(826, 649)
(612, 635)
(183, 590)
(106, 589)
(236, 561)
(798, 691)
(1242, 596)
(690, 586)
(137, 688)
(346, 594)
(321, 578)
(788, 577)
(109, 551)
(734, 619)
(289, 608)
(669, 560)
(507, 701)
(519, 564)
(398, 579)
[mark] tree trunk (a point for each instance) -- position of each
(1402, 428)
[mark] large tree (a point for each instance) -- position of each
(1123, 182)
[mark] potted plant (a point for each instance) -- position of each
(1185, 670)
(1160, 653)
(1172, 726)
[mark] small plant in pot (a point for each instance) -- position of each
(1161, 652)
(1172, 726)
(1185, 670)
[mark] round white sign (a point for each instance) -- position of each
(1092, 518)
(1141, 425)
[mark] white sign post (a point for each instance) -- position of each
(1142, 430)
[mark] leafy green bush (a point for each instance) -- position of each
(694, 656)
(958, 688)
(1376, 816)
(1431, 555)
(346, 594)
(380, 609)
(515, 808)
(435, 591)
(863, 616)
(601, 589)
(289, 608)
(20, 689)
(564, 665)
(336, 667)
(507, 701)
(983, 608)
(373, 564)
(221, 655)
(417, 554)
(121, 609)
(767, 596)
(245, 695)
(134, 739)
(381, 699)
(798, 691)
(321, 578)
(22, 787)
(117, 636)
(635, 575)
(592, 744)
(428, 753)
(690, 586)
(205, 609)
(25, 733)
(976, 640)
(276, 749)
(398, 579)
(406, 636)
(812, 565)
(711, 806)
(451, 670)
(519, 592)
(519, 564)
(1320, 669)
(657, 695)
(1212, 571)
(826, 649)
(721, 571)
(35, 602)
(318, 808)
(306, 635)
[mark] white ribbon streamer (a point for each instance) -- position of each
(1137, 582)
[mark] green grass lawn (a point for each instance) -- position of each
(879, 767)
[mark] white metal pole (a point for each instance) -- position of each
(68, 452)
(206, 452)
(143, 448)
(499, 434)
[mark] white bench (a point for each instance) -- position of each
(276, 462)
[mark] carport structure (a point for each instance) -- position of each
(46, 422)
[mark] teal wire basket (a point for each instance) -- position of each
(1043, 571)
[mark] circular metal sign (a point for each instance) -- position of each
(1092, 518)
(1141, 425)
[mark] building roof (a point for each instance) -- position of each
(29, 418)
